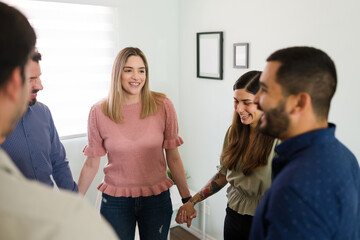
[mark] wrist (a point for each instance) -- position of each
(185, 200)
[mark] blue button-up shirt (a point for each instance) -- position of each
(35, 148)
(315, 192)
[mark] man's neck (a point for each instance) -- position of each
(304, 128)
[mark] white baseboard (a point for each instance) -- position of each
(196, 232)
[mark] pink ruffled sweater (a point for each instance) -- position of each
(136, 162)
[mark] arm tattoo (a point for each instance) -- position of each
(211, 188)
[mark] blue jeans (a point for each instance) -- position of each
(153, 215)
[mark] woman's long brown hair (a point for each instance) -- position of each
(239, 150)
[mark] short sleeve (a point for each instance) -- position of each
(221, 168)
(95, 146)
(171, 137)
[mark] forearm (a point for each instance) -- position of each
(216, 183)
(63, 176)
(60, 165)
(87, 174)
(177, 172)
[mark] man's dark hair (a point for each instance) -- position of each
(307, 69)
(17, 41)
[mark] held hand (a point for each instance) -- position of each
(186, 213)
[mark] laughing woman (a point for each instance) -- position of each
(245, 164)
(133, 126)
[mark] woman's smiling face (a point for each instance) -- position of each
(246, 108)
(133, 77)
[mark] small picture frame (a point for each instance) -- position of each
(209, 55)
(241, 55)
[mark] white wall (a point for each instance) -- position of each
(206, 105)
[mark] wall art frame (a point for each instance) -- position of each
(241, 55)
(209, 55)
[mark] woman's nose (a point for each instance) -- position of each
(135, 75)
(239, 107)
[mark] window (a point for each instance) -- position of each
(77, 43)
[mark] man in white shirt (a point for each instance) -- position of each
(30, 210)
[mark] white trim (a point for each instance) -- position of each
(73, 136)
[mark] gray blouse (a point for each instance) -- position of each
(245, 192)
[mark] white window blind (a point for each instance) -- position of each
(77, 43)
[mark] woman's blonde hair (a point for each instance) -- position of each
(112, 107)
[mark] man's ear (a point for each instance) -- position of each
(300, 102)
(14, 84)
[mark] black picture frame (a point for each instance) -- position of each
(241, 55)
(209, 55)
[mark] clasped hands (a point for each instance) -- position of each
(186, 213)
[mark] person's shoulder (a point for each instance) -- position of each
(160, 97)
(228, 129)
(342, 160)
(344, 150)
(71, 215)
(98, 106)
(41, 106)
(96, 112)
(41, 110)
(168, 107)
(332, 153)
(99, 103)
(227, 132)
(166, 101)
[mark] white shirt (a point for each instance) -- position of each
(31, 210)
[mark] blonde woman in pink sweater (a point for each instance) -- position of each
(133, 126)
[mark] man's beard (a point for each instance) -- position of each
(32, 102)
(277, 122)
